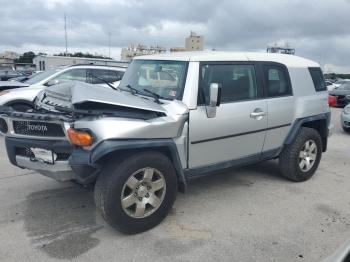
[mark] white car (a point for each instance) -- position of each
(337, 84)
(20, 97)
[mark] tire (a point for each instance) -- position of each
(346, 129)
(113, 183)
(293, 159)
(21, 107)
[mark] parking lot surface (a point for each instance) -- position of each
(248, 214)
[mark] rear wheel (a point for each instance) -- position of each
(136, 194)
(299, 160)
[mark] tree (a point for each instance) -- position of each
(26, 57)
(81, 54)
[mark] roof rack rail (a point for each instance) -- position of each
(92, 64)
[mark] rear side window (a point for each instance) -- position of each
(277, 81)
(318, 79)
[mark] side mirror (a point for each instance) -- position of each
(52, 82)
(214, 99)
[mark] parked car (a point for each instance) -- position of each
(7, 74)
(342, 254)
(22, 98)
(345, 118)
(342, 94)
(142, 143)
(21, 79)
(332, 101)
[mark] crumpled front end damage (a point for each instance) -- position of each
(112, 117)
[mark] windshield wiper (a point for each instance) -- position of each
(155, 95)
(104, 81)
(133, 90)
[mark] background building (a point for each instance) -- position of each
(130, 52)
(177, 49)
(194, 42)
(8, 57)
(281, 48)
(44, 62)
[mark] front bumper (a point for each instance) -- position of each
(345, 120)
(18, 151)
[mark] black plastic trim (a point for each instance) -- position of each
(57, 146)
(244, 161)
(300, 121)
(109, 146)
(239, 134)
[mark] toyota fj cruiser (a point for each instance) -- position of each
(175, 117)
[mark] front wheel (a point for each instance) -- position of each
(299, 160)
(136, 193)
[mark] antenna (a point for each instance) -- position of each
(65, 32)
(109, 45)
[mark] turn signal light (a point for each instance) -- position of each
(80, 138)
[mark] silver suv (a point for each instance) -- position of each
(175, 117)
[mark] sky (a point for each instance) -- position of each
(317, 29)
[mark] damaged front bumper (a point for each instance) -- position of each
(19, 154)
(65, 167)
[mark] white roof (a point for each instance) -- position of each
(288, 60)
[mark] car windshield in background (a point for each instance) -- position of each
(164, 78)
(41, 76)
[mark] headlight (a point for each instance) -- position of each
(347, 110)
(4, 92)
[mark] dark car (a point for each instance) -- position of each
(8, 74)
(342, 94)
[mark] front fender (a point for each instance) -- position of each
(93, 158)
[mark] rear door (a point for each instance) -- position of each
(238, 130)
(280, 103)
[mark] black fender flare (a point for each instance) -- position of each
(92, 158)
(301, 121)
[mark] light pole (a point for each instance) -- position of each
(65, 32)
(109, 45)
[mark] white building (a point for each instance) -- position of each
(131, 51)
(194, 42)
(44, 62)
(7, 58)
(280, 47)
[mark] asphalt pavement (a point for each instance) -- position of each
(248, 214)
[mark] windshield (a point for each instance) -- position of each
(41, 76)
(164, 78)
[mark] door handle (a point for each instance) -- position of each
(257, 114)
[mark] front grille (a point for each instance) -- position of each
(35, 128)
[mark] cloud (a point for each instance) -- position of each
(318, 29)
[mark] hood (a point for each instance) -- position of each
(79, 95)
(4, 85)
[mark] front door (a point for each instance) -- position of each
(239, 128)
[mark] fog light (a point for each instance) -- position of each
(3, 126)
